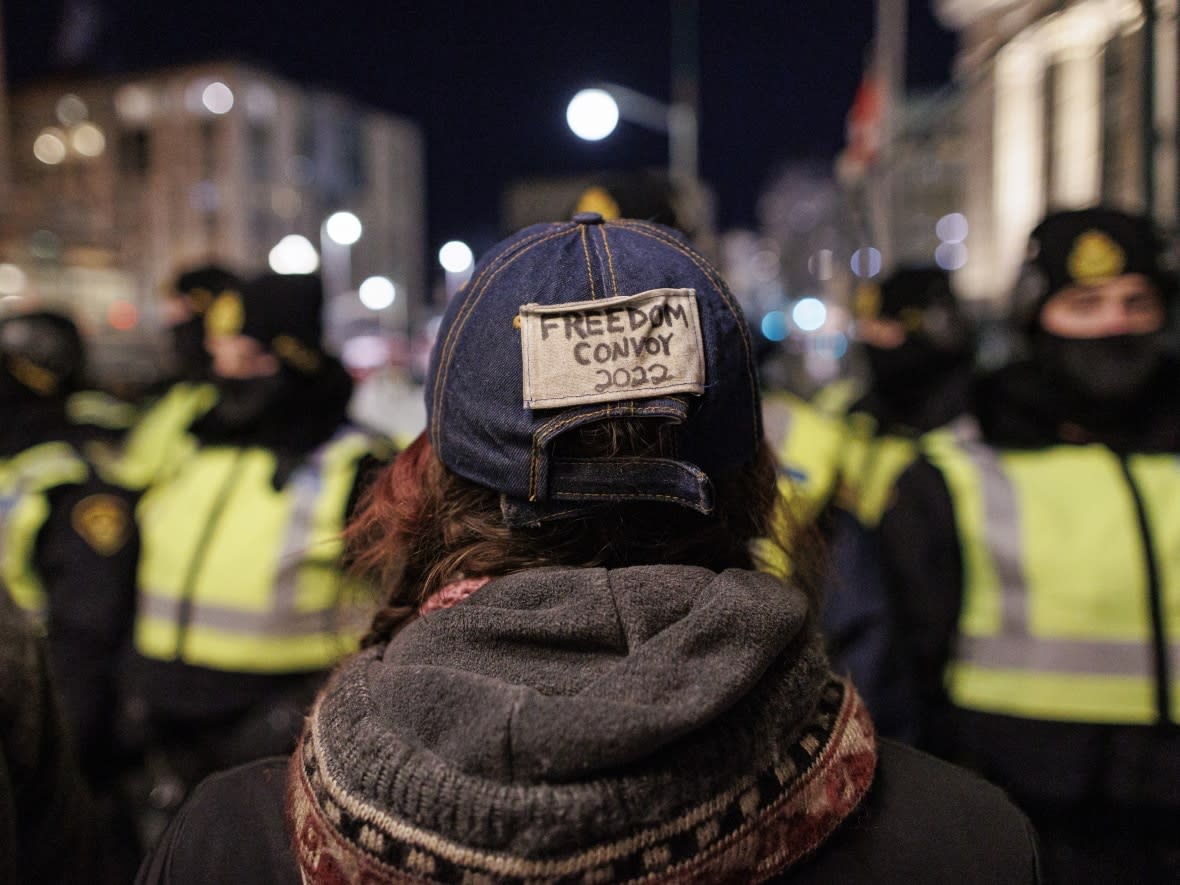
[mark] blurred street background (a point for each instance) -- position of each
(806, 146)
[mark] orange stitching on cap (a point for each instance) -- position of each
(655, 233)
(533, 471)
(610, 260)
(465, 311)
(543, 434)
(589, 267)
(564, 421)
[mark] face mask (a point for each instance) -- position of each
(243, 401)
(908, 367)
(1107, 368)
(188, 342)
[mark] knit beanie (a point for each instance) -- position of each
(1086, 247)
(42, 352)
(200, 286)
(282, 312)
(921, 298)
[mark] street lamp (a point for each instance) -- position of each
(293, 254)
(593, 113)
(458, 261)
(377, 293)
(339, 232)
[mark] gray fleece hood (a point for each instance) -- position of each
(603, 699)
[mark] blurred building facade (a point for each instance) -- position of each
(1065, 103)
(118, 182)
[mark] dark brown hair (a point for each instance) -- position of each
(421, 526)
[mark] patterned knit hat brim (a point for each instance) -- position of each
(422, 797)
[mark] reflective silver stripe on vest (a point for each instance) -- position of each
(234, 620)
(31, 472)
(1015, 647)
(282, 619)
(1001, 517)
(1069, 656)
(307, 482)
(8, 503)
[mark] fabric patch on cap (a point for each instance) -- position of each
(1095, 257)
(629, 347)
(103, 521)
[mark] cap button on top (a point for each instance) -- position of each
(588, 218)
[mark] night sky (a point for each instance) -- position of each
(488, 82)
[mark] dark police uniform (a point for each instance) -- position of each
(245, 602)
(1034, 554)
(68, 544)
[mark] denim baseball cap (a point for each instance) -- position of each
(566, 324)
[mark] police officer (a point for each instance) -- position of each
(68, 544)
(1034, 552)
(846, 448)
(919, 349)
(158, 437)
(244, 601)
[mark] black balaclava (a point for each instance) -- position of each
(308, 397)
(42, 356)
(41, 362)
(1102, 369)
(1086, 247)
(937, 338)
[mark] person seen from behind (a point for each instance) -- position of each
(579, 673)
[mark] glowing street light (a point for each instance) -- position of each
(217, 98)
(50, 147)
(377, 293)
(592, 114)
(458, 261)
(809, 314)
(294, 254)
(87, 140)
(343, 228)
(456, 257)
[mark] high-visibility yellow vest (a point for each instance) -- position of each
(239, 577)
(25, 481)
(100, 409)
(1056, 619)
(160, 441)
(870, 464)
(837, 397)
(808, 444)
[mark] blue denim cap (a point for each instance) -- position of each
(582, 321)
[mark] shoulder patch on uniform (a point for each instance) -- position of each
(103, 521)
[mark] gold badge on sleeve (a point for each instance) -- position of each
(104, 523)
